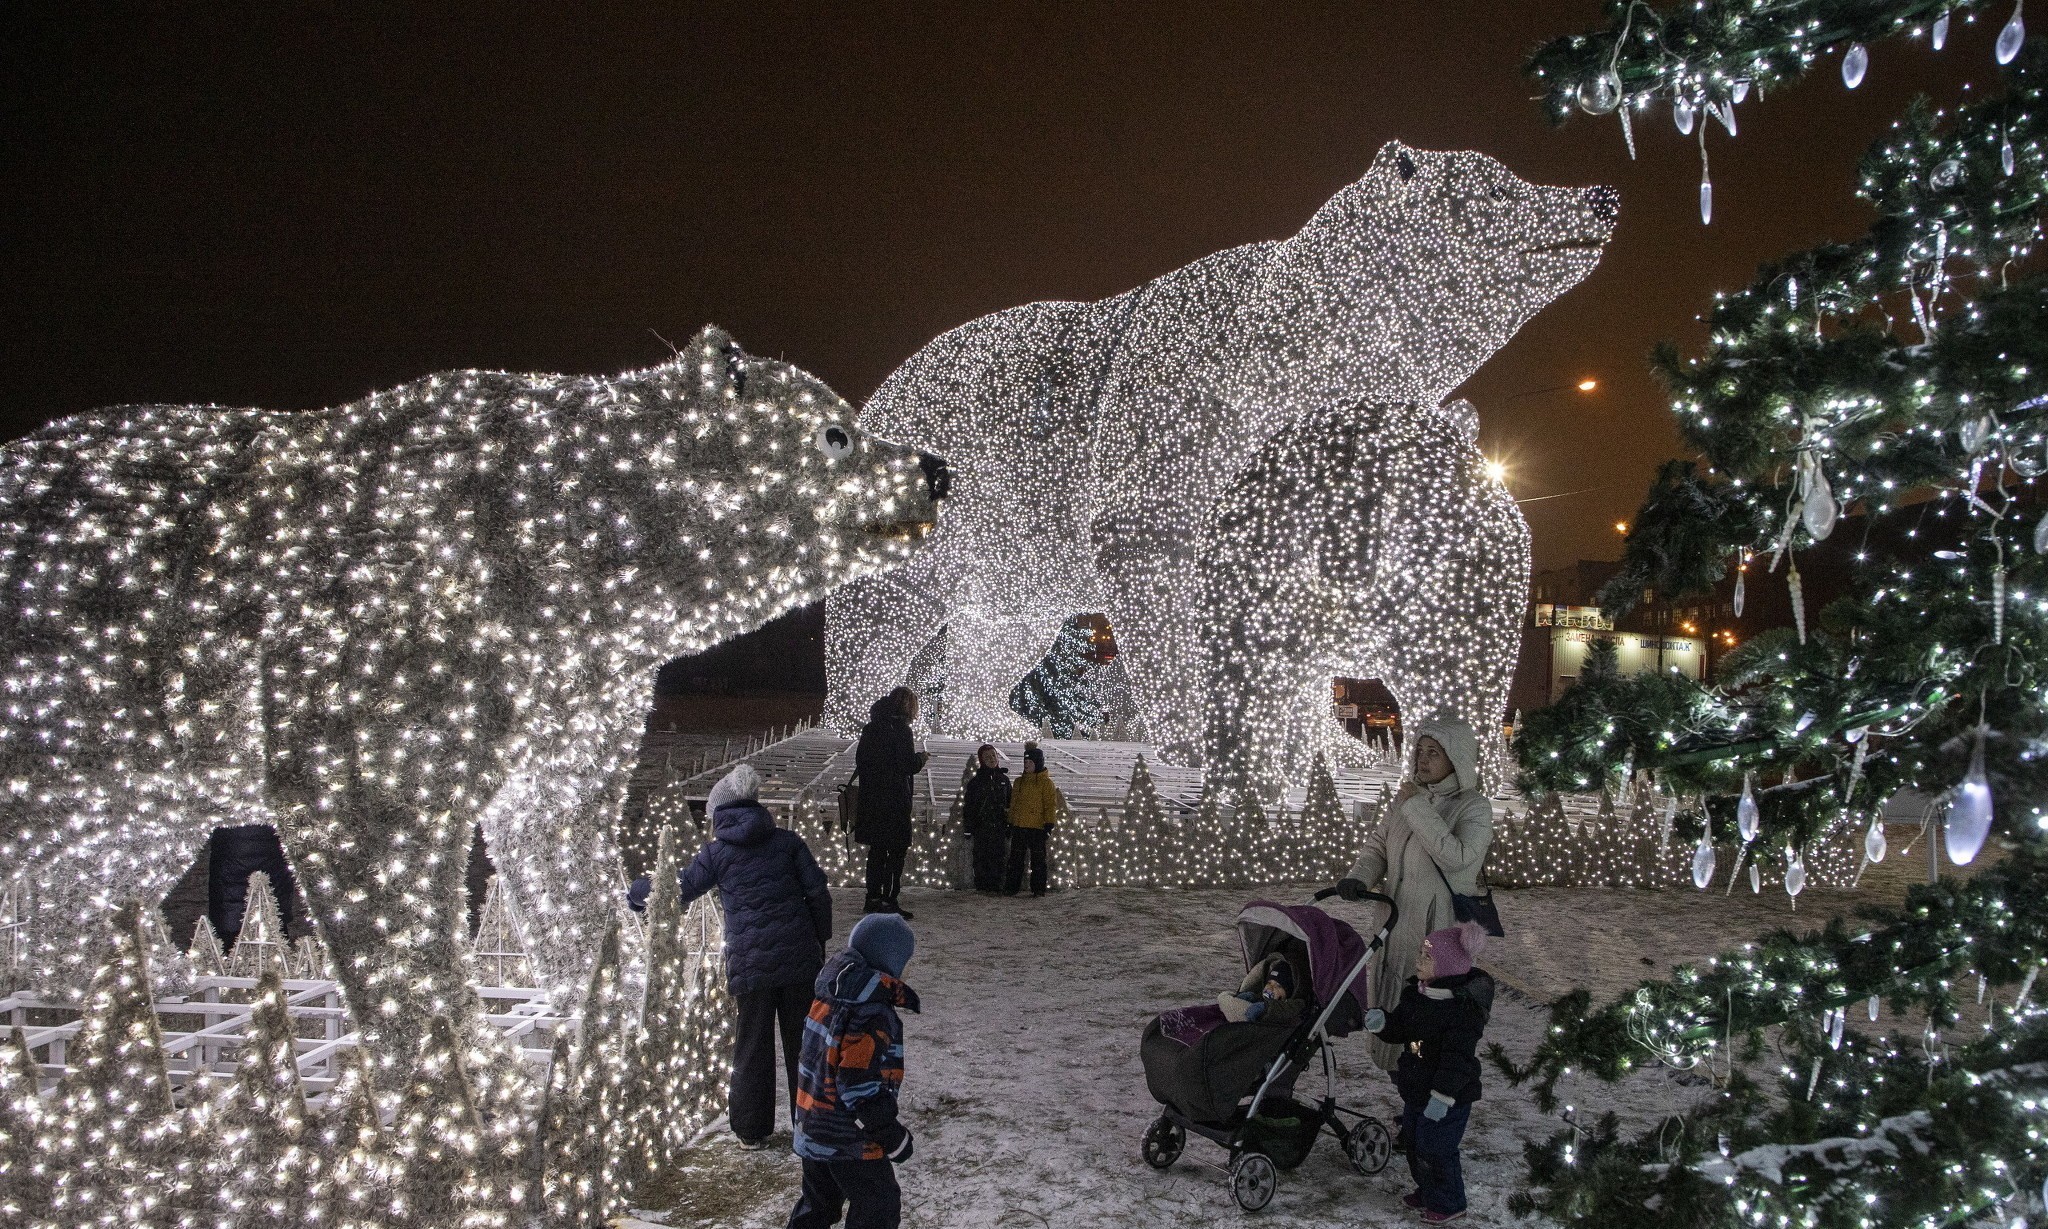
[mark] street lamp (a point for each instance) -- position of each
(1587, 385)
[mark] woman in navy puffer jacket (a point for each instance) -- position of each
(778, 916)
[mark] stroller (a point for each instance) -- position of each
(1201, 1068)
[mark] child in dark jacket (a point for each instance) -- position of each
(847, 1132)
(778, 915)
(985, 815)
(1443, 1012)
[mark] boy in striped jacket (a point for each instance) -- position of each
(847, 1132)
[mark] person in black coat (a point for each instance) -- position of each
(985, 815)
(887, 762)
(1443, 1012)
(778, 917)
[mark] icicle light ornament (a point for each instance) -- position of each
(374, 625)
(1090, 443)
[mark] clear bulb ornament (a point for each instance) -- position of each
(1968, 823)
(1835, 1030)
(1706, 199)
(1703, 862)
(1974, 435)
(1756, 878)
(1795, 876)
(1855, 64)
(1820, 511)
(1946, 174)
(2027, 460)
(1874, 846)
(1941, 32)
(2006, 160)
(2041, 536)
(1873, 1008)
(1741, 90)
(1740, 577)
(1600, 95)
(1748, 821)
(2014, 34)
(1684, 114)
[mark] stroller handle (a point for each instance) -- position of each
(1393, 910)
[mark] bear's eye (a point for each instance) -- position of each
(834, 441)
(1497, 193)
(1405, 165)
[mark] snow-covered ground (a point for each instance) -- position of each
(1028, 1099)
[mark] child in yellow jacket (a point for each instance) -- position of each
(1034, 807)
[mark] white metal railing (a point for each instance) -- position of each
(204, 1032)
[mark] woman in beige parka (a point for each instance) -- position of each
(1438, 822)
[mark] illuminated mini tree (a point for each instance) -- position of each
(1899, 371)
(437, 1141)
(265, 1172)
(113, 1138)
(24, 1169)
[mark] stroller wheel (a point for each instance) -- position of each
(1164, 1140)
(1253, 1179)
(1367, 1146)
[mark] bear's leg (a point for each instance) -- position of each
(874, 628)
(383, 871)
(985, 657)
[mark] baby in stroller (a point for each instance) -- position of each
(1227, 1071)
(1267, 993)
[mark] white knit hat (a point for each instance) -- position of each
(742, 784)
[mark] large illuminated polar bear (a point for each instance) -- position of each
(375, 624)
(1089, 442)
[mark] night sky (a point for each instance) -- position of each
(263, 205)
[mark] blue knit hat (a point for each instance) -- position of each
(884, 940)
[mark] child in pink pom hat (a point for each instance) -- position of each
(1443, 1011)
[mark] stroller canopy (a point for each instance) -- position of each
(1333, 947)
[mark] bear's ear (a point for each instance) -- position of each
(718, 360)
(1394, 163)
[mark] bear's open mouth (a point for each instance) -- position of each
(900, 531)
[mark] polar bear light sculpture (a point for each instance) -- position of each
(377, 624)
(1089, 442)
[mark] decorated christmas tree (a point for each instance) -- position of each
(1061, 693)
(1898, 378)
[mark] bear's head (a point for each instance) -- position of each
(1434, 260)
(782, 496)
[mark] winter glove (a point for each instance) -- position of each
(636, 896)
(898, 1148)
(1351, 889)
(1438, 1106)
(1375, 1020)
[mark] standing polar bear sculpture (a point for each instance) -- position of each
(378, 624)
(1090, 442)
